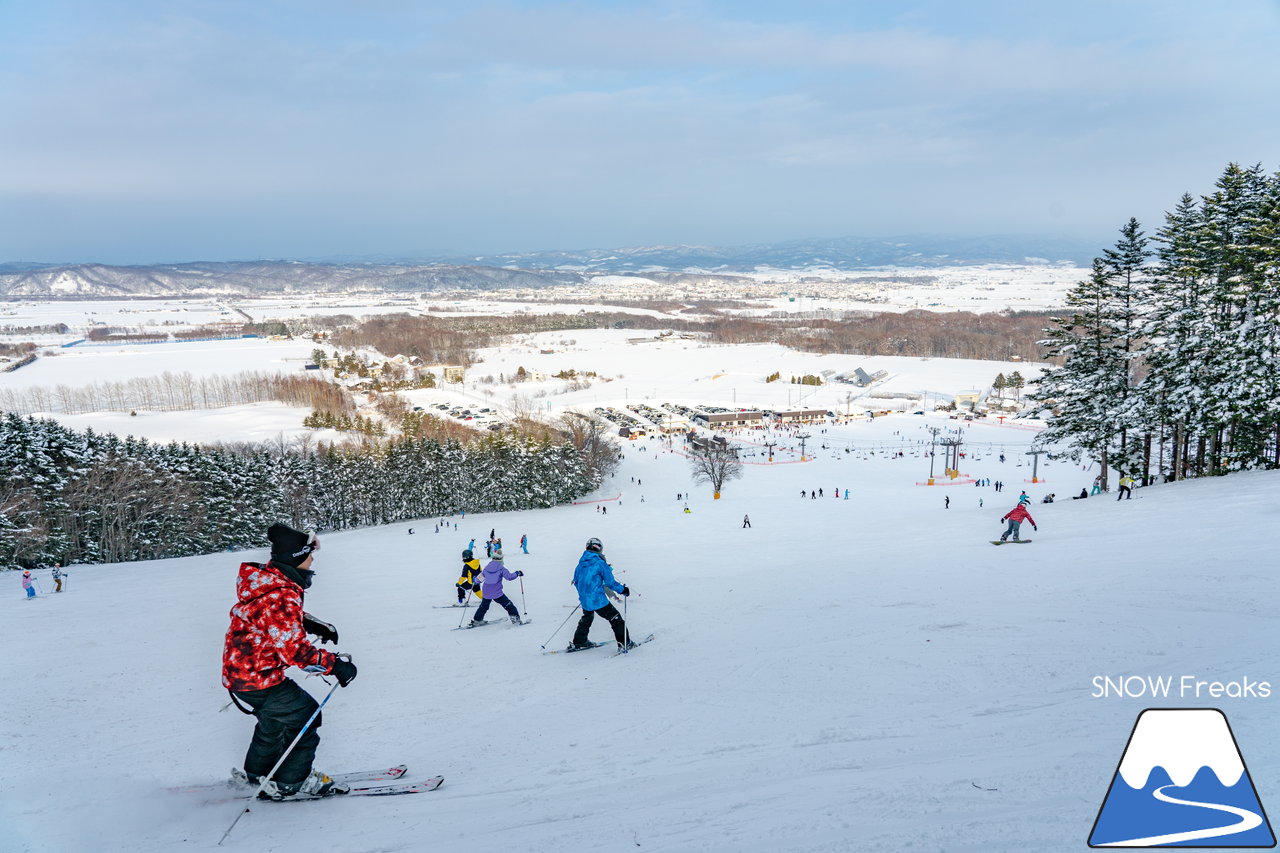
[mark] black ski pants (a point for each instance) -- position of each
(503, 600)
(282, 710)
(608, 612)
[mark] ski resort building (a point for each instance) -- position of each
(722, 419)
(801, 416)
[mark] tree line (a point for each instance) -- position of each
(69, 496)
(1170, 349)
(171, 392)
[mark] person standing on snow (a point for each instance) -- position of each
(746, 521)
(470, 577)
(1126, 488)
(1015, 517)
(524, 541)
(268, 633)
(26, 584)
(57, 578)
(494, 574)
(592, 577)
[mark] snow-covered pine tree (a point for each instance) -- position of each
(1082, 392)
(1128, 279)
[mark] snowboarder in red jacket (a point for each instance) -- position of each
(268, 633)
(1015, 517)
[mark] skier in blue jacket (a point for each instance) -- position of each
(592, 576)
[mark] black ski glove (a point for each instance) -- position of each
(520, 573)
(626, 590)
(323, 630)
(343, 670)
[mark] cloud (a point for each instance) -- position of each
(609, 122)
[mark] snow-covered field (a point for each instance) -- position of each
(654, 370)
(86, 364)
(650, 370)
(861, 674)
(253, 422)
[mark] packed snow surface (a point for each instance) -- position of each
(861, 674)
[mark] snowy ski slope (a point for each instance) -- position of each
(861, 674)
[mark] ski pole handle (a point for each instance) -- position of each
(562, 624)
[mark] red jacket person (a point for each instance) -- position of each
(1015, 517)
(268, 633)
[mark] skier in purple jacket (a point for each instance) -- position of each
(494, 574)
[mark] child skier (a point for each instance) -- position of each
(57, 578)
(268, 634)
(592, 576)
(494, 574)
(524, 541)
(470, 578)
(26, 584)
(1015, 517)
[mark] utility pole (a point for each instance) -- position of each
(932, 444)
(769, 446)
(804, 436)
(1035, 462)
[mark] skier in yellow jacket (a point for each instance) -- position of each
(471, 577)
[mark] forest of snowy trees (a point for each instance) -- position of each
(1171, 351)
(68, 496)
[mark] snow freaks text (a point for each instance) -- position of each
(1178, 687)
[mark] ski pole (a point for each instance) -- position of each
(267, 778)
(562, 624)
(626, 629)
(466, 605)
(524, 605)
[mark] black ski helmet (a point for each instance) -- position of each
(594, 544)
(467, 555)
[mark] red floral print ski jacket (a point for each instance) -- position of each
(266, 633)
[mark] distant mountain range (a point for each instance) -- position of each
(525, 270)
(845, 253)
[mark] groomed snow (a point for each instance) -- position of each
(867, 674)
(89, 363)
(253, 422)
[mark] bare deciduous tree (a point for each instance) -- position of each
(715, 463)
(591, 438)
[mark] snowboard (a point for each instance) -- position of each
(1010, 541)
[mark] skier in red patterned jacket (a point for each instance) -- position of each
(269, 633)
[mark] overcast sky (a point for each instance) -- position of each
(170, 130)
